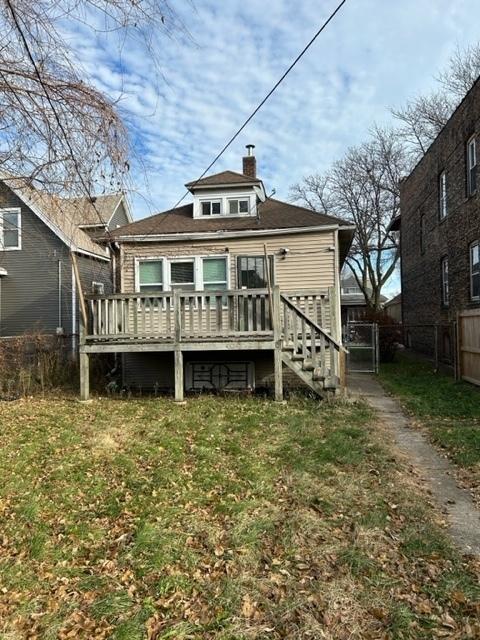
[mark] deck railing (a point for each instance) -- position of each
(192, 315)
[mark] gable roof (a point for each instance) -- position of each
(395, 300)
(96, 211)
(60, 215)
(223, 178)
(272, 214)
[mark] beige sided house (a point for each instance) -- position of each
(199, 307)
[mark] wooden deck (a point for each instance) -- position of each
(299, 327)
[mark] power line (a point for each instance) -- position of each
(269, 94)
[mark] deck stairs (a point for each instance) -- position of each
(309, 350)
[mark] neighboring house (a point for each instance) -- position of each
(353, 300)
(393, 307)
(196, 301)
(440, 232)
(38, 234)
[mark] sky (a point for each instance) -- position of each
(376, 54)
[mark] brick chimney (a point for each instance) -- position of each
(250, 162)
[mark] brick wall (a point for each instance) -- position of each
(450, 237)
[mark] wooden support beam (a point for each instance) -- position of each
(179, 376)
(84, 376)
(277, 336)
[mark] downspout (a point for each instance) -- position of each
(59, 323)
(74, 313)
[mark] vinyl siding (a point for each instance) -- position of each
(119, 218)
(30, 294)
(310, 264)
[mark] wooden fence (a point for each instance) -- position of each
(468, 345)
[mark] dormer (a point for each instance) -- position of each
(228, 194)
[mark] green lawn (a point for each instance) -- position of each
(449, 410)
(229, 518)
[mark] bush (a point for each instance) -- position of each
(390, 333)
(34, 363)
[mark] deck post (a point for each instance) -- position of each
(84, 364)
(178, 355)
(277, 336)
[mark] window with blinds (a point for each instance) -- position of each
(150, 275)
(182, 275)
(214, 274)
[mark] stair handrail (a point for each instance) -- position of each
(313, 324)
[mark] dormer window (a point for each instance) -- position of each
(237, 205)
(211, 207)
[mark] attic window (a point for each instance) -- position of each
(236, 206)
(211, 207)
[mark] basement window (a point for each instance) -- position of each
(475, 270)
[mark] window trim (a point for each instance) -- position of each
(475, 243)
(224, 199)
(18, 212)
(211, 201)
(138, 260)
(271, 259)
(96, 283)
(442, 195)
(445, 285)
(472, 141)
(238, 199)
(197, 260)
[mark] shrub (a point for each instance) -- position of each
(34, 363)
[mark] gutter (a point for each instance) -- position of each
(219, 235)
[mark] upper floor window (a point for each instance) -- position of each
(422, 233)
(472, 165)
(236, 205)
(10, 229)
(444, 277)
(211, 207)
(98, 288)
(475, 270)
(442, 193)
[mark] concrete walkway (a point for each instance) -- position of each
(437, 472)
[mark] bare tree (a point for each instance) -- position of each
(56, 129)
(363, 188)
(423, 117)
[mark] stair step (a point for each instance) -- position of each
(308, 365)
(318, 375)
(297, 357)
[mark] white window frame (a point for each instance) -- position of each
(445, 281)
(185, 260)
(18, 212)
(98, 284)
(442, 195)
(197, 271)
(238, 200)
(474, 244)
(138, 260)
(224, 199)
(211, 201)
(471, 146)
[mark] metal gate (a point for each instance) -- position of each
(361, 340)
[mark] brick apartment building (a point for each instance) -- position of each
(440, 232)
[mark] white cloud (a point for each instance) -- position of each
(374, 55)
